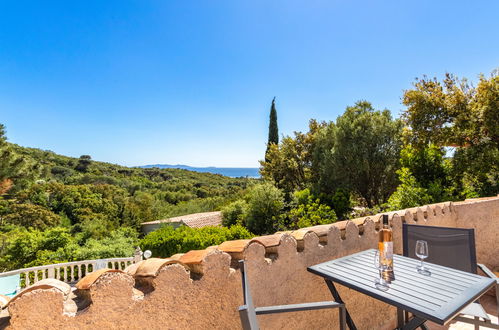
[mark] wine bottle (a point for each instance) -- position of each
(385, 246)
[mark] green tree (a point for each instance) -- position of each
(409, 193)
(289, 163)
(341, 203)
(363, 155)
(235, 213)
(454, 113)
(83, 163)
(30, 215)
(11, 165)
(273, 129)
(265, 206)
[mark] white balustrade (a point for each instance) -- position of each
(68, 272)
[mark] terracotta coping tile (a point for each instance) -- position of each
(268, 240)
(151, 267)
(284, 232)
(86, 282)
(177, 256)
(320, 230)
(234, 246)
(341, 225)
(45, 284)
(194, 257)
(4, 300)
(132, 269)
(300, 233)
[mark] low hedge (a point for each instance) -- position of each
(168, 241)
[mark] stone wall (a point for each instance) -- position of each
(202, 289)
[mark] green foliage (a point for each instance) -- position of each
(288, 164)
(168, 241)
(358, 153)
(364, 154)
(310, 213)
(118, 243)
(14, 170)
(409, 193)
(30, 215)
(265, 206)
(273, 130)
(83, 163)
(302, 197)
(454, 113)
(341, 203)
(426, 164)
(92, 201)
(140, 207)
(25, 248)
(235, 213)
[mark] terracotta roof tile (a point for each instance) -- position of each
(195, 220)
(86, 282)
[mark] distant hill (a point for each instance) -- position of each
(234, 172)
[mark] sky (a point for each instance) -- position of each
(191, 82)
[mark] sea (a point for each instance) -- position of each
(233, 172)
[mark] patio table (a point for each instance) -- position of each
(438, 297)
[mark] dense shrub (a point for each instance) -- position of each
(30, 215)
(25, 248)
(168, 241)
(409, 193)
(235, 213)
(265, 205)
(311, 213)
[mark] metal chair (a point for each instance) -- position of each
(455, 248)
(248, 311)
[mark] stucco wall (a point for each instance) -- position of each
(204, 290)
(483, 216)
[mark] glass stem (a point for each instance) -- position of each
(421, 264)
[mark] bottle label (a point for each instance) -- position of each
(388, 250)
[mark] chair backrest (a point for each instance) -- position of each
(247, 312)
(450, 247)
(9, 285)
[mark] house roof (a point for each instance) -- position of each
(195, 220)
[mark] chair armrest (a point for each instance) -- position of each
(488, 272)
(297, 307)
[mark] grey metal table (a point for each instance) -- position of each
(438, 297)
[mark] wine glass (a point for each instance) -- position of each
(422, 253)
(379, 282)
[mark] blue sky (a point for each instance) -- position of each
(190, 82)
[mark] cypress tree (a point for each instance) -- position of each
(273, 130)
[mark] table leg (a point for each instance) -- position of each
(400, 318)
(414, 323)
(338, 299)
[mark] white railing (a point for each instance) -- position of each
(70, 272)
